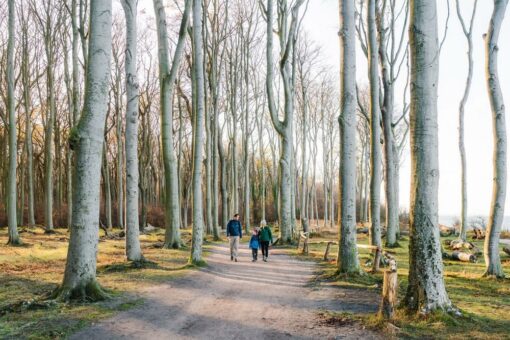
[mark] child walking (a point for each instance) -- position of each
(255, 243)
(265, 237)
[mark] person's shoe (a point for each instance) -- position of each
(235, 259)
(231, 258)
(265, 259)
(253, 260)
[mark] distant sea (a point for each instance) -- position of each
(450, 220)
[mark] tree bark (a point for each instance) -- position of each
(347, 251)
(198, 133)
(14, 238)
(462, 149)
(133, 249)
(87, 140)
(497, 213)
(167, 78)
(375, 129)
(426, 290)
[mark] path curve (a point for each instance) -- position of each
(243, 300)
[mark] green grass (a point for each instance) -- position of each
(32, 272)
(483, 302)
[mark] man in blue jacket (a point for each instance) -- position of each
(234, 233)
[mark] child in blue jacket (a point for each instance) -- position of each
(255, 243)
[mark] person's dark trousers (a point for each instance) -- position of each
(254, 253)
(265, 248)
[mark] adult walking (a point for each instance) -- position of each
(234, 234)
(265, 237)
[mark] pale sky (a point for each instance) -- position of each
(322, 22)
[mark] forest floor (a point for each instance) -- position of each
(483, 302)
(242, 300)
(224, 299)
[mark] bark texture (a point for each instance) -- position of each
(348, 261)
(426, 290)
(133, 249)
(87, 141)
(497, 213)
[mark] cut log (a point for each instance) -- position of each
(459, 244)
(478, 234)
(464, 257)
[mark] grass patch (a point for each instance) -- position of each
(30, 273)
(484, 303)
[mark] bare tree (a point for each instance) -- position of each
(167, 78)
(11, 195)
(497, 213)
(198, 132)
(133, 249)
(426, 290)
(347, 252)
(287, 34)
(87, 140)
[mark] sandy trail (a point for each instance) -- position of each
(243, 300)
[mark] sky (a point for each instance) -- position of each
(321, 23)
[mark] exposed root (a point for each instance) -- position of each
(15, 242)
(49, 231)
(87, 292)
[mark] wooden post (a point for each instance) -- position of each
(327, 251)
(305, 246)
(389, 291)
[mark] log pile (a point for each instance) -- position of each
(461, 251)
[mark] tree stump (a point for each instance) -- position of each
(389, 292)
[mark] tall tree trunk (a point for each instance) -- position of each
(462, 149)
(390, 164)
(375, 130)
(27, 101)
(198, 133)
(347, 251)
(87, 140)
(426, 290)
(11, 181)
(107, 189)
(133, 249)
(497, 213)
(167, 78)
(287, 39)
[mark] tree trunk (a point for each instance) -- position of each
(167, 78)
(87, 140)
(390, 164)
(375, 130)
(198, 133)
(11, 192)
(462, 149)
(497, 213)
(347, 251)
(133, 249)
(426, 290)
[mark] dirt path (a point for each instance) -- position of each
(242, 300)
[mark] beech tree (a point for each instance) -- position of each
(87, 141)
(198, 132)
(375, 130)
(426, 290)
(167, 76)
(287, 35)
(347, 251)
(133, 249)
(14, 238)
(497, 212)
